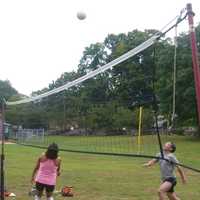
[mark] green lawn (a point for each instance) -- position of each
(98, 177)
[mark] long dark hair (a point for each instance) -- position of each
(52, 151)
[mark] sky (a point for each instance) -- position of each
(41, 39)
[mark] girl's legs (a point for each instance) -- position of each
(49, 192)
(38, 195)
(49, 195)
(39, 188)
(172, 196)
(164, 188)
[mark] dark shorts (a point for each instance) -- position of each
(40, 187)
(172, 180)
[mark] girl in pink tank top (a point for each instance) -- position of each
(46, 171)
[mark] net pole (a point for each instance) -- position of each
(195, 60)
(2, 117)
(139, 129)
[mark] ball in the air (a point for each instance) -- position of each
(81, 15)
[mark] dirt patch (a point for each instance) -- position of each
(7, 142)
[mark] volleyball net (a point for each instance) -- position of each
(80, 133)
(80, 127)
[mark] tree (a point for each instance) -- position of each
(6, 90)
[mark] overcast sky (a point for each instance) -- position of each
(41, 39)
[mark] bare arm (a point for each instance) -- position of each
(182, 174)
(150, 163)
(35, 170)
(59, 165)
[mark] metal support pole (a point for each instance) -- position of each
(2, 148)
(139, 129)
(195, 60)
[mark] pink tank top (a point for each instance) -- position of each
(47, 172)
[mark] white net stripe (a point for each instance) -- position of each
(91, 74)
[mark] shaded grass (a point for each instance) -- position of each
(98, 177)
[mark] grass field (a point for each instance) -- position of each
(98, 177)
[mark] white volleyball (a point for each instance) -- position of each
(81, 15)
